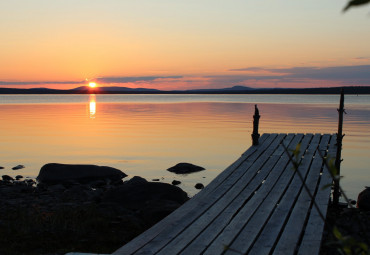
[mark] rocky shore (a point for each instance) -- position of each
(86, 208)
(86, 215)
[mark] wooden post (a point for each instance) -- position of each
(256, 118)
(338, 159)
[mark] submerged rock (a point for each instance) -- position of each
(199, 186)
(18, 167)
(59, 173)
(185, 168)
(176, 182)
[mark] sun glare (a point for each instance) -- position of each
(92, 84)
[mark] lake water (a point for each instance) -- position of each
(146, 134)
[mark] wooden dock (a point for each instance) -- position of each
(258, 205)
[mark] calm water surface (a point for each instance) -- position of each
(146, 134)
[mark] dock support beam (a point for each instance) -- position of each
(338, 159)
(256, 118)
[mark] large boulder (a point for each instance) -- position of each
(59, 173)
(363, 200)
(185, 168)
(138, 192)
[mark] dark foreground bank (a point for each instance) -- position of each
(96, 217)
(347, 231)
(101, 216)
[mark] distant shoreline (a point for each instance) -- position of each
(353, 90)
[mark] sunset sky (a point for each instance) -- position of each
(183, 44)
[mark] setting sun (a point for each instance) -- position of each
(92, 84)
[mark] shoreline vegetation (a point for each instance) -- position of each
(354, 90)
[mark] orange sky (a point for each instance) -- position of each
(183, 44)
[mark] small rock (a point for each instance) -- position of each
(18, 167)
(1, 167)
(18, 177)
(29, 181)
(7, 178)
(176, 182)
(185, 168)
(199, 186)
(155, 180)
(136, 180)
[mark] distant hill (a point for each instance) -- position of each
(113, 89)
(235, 89)
(231, 90)
(247, 90)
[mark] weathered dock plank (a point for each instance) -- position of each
(311, 240)
(247, 217)
(292, 231)
(258, 205)
(267, 239)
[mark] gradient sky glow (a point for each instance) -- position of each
(183, 44)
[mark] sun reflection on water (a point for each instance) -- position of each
(92, 106)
